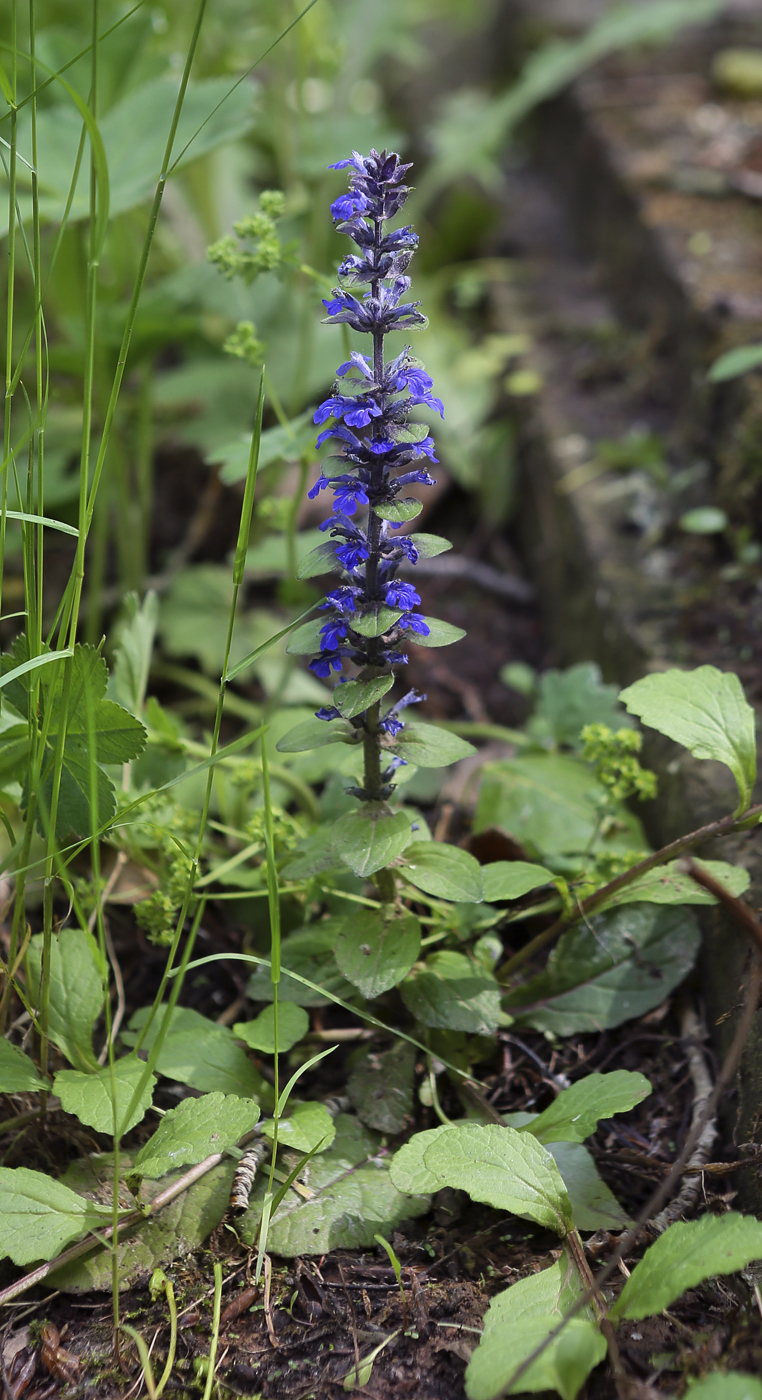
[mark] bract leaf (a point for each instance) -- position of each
(308, 1126)
(510, 879)
(440, 634)
(503, 1168)
(375, 949)
(321, 560)
(706, 711)
(666, 884)
(315, 733)
(305, 640)
(38, 1216)
(201, 1053)
(444, 871)
(429, 546)
(369, 839)
(354, 697)
(375, 621)
(576, 1112)
(193, 1131)
(686, 1254)
(89, 1096)
(450, 992)
(518, 1321)
(616, 966)
(18, 1074)
(76, 992)
(293, 1024)
(428, 746)
(397, 511)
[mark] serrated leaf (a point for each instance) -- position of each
(376, 949)
(570, 699)
(666, 884)
(381, 1087)
(315, 734)
(429, 546)
(76, 992)
(725, 1385)
(369, 839)
(308, 1126)
(39, 1216)
(354, 1200)
(201, 1054)
(356, 696)
(18, 1074)
(706, 711)
(446, 872)
(686, 1254)
(450, 992)
(321, 560)
(193, 1131)
(293, 1024)
(399, 511)
(376, 621)
(89, 1096)
(428, 746)
(616, 966)
(134, 649)
(504, 1169)
(510, 879)
(575, 1114)
(440, 634)
(594, 1206)
(518, 1321)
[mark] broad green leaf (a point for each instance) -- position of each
(510, 879)
(686, 1254)
(369, 839)
(446, 872)
(576, 1112)
(725, 1385)
(429, 546)
(76, 992)
(119, 736)
(319, 561)
(89, 1096)
(450, 992)
(313, 855)
(381, 1087)
(305, 640)
(201, 1054)
(39, 1216)
(397, 511)
(315, 733)
(376, 621)
(518, 1321)
(594, 1206)
(440, 634)
(408, 1169)
(193, 1131)
(356, 696)
(568, 700)
(310, 953)
(308, 1126)
(504, 1169)
(376, 949)
(614, 967)
(293, 1024)
(706, 711)
(354, 1200)
(735, 362)
(666, 884)
(18, 1075)
(427, 746)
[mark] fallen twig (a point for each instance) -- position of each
(692, 1033)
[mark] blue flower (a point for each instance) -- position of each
(409, 622)
(348, 205)
(327, 712)
(325, 663)
(352, 555)
(342, 599)
(401, 595)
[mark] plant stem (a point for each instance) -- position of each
(215, 1329)
(577, 1252)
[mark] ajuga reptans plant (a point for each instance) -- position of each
(371, 617)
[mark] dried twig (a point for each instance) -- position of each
(692, 1033)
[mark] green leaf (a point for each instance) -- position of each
(286, 442)
(319, 561)
(616, 966)
(706, 711)
(686, 1254)
(703, 520)
(270, 558)
(315, 734)
(354, 1200)
(725, 1385)
(666, 884)
(518, 1321)
(89, 1096)
(446, 872)
(510, 879)
(735, 362)
(408, 1169)
(576, 1112)
(201, 1054)
(308, 1126)
(429, 546)
(356, 696)
(397, 511)
(568, 700)
(375, 949)
(376, 621)
(18, 1075)
(132, 655)
(76, 992)
(39, 1216)
(440, 634)
(594, 1206)
(371, 838)
(293, 1024)
(310, 953)
(427, 746)
(381, 1087)
(306, 640)
(504, 1169)
(193, 1131)
(450, 992)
